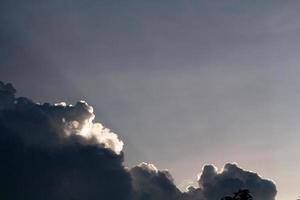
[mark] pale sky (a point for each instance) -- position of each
(183, 82)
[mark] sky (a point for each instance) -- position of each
(183, 83)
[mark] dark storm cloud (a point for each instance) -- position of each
(57, 152)
(7, 95)
(52, 152)
(215, 185)
(150, 183)
(58, 124)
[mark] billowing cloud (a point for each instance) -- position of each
(90, 130)
(58, 152)
(59, 122)
(149, 183)
(215, 185)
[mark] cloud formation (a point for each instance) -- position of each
(151, 183)
(59, 122)
(215, 185)
(58, 152)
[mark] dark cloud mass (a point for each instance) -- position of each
(150, 183)
(57, 152)
(47, 153)
(216, 185)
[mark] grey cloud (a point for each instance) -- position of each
(149, 183)
(59, 124)
(7, 95)
(58, 152)
(47, 152)
(216, 185)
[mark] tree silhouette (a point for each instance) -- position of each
(239, 195)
